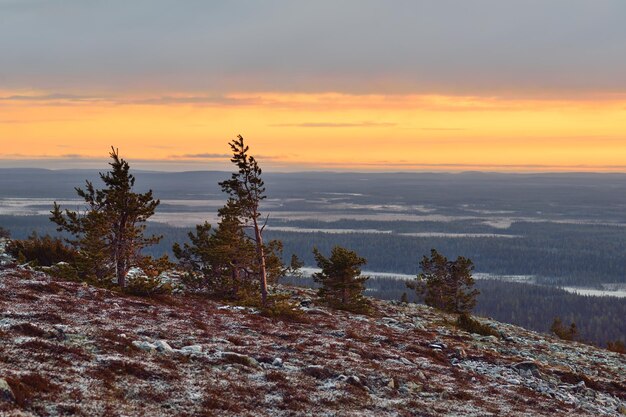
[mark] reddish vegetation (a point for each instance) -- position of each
(67, 349)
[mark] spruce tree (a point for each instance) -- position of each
(109, 234)
(342, 284)
(446, 285)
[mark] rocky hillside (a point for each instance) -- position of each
(69, 349)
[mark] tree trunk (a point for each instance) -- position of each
(261, 259)
(120, 272)
(121, 258)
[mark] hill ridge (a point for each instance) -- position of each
(70, 349)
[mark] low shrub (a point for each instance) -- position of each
(145, 286)
(4, 233)
(64, 271)
(562, 331)
(617, 346)
(471, 325)
(278, 306)
(41, 251)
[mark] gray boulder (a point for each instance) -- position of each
(6, 394)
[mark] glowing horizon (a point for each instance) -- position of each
(321, 131)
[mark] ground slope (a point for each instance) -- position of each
(70, 349)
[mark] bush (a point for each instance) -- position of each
(4, 233)
(471, 325)
(562, 331)
(280, 306)
(42, 251)
(617, 346)
(64, 271)
(143, 285)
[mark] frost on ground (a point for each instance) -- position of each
(70, 349)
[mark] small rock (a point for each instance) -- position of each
(354, 380)
(391, 384)
(163, 346)
(6, 394)
(277, 362)
(405, 361)
(147, 346)
(317, 311)
(412, 387)
(191, 349)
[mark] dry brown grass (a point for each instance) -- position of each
(55, 349)
(28, 329)
(28, 387)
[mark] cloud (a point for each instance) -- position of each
(444, 129)
(330, 124)
(352, 46)
(220, 156)
(201, 156)
(52, 97)
(219, 100)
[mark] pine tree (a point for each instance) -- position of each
(109, 235)
(223, 257)
(224, 260)
(342, 284)
(431, 282)
(446, 285)
(246, 190)
(461, 294)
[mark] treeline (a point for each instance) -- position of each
(599, 319)
(570, 258)
(582, 255)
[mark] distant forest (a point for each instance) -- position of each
(584, 255)
(599, 319)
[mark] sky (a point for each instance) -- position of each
(515, 85)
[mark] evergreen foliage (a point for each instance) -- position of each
(41, 251)
(405, 298)
(446, 285)
(227, 261)
(564, 332)
(4, 233)
(342, 284)
(617, 346)
(471, 325)
(109, 234)
(246, 190)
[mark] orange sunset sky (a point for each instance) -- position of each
(356, 86)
